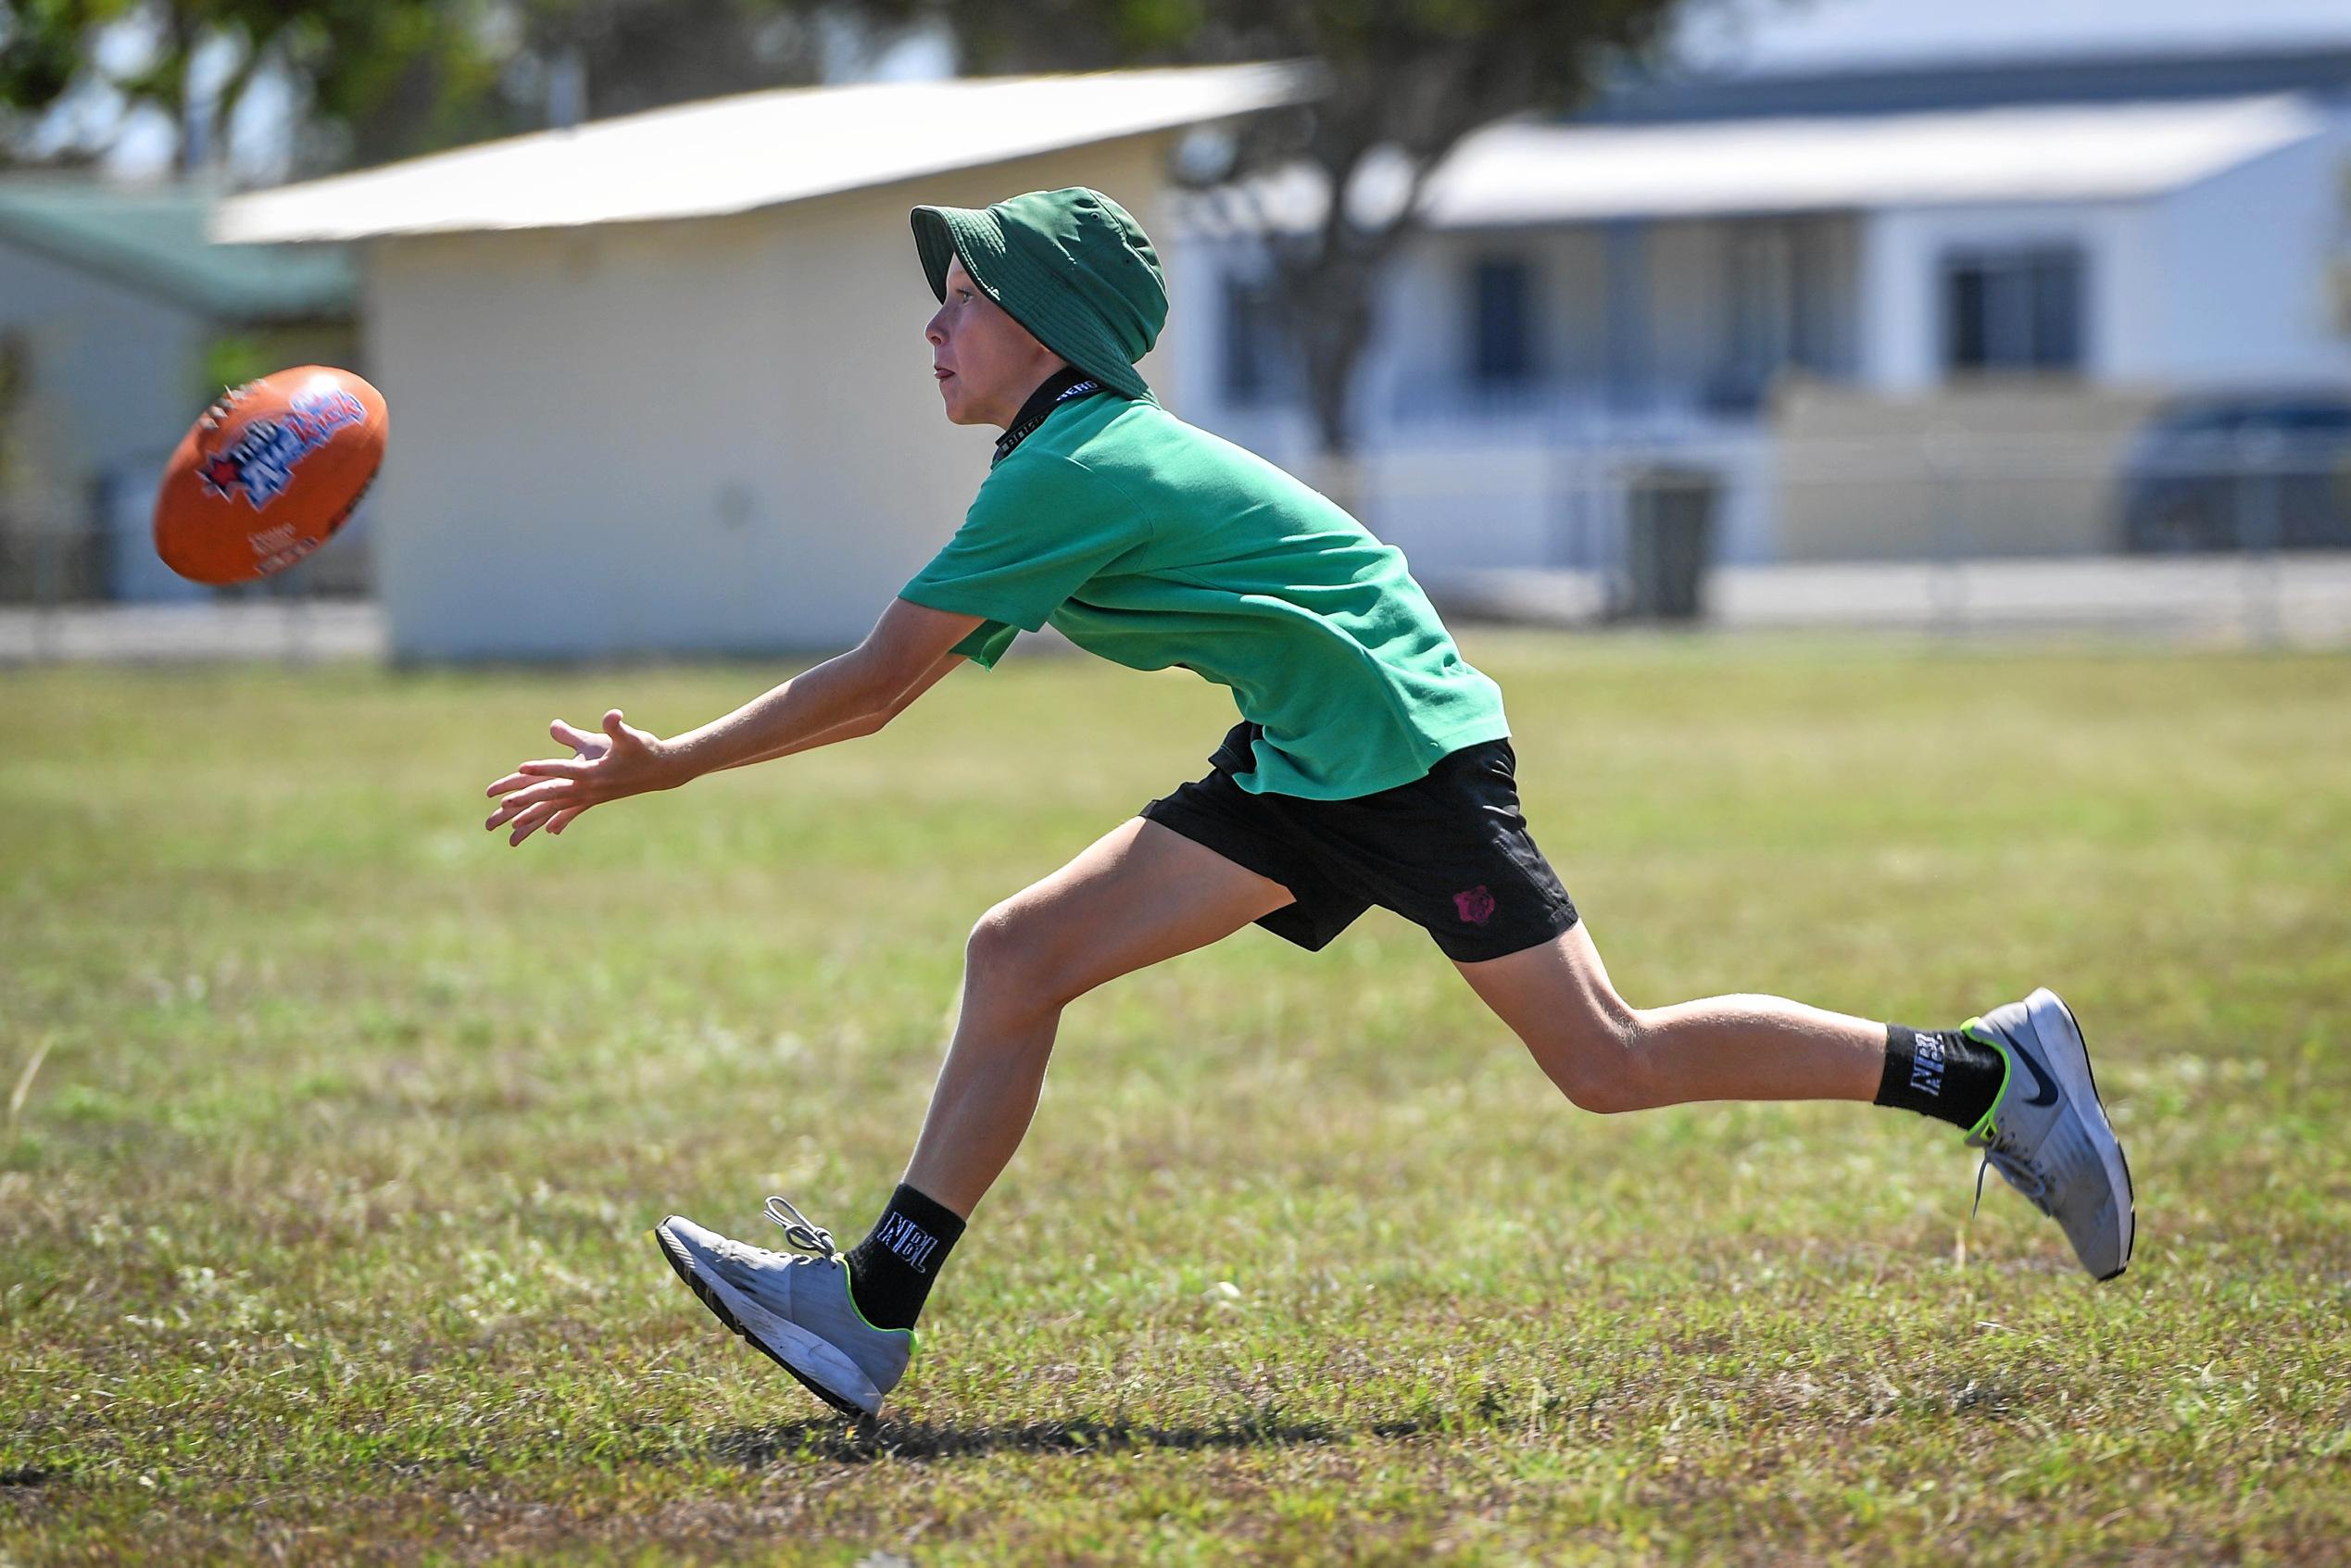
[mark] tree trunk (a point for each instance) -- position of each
(1328, 282)
(1327, 306)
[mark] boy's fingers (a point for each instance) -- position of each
(556, 768)
(538, 791)
(510, 783)
(528, 820)
(562, 819)
(546, 792)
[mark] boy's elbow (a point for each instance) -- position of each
(885, 711)
(872, 688)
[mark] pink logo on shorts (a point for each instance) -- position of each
(1476, 905)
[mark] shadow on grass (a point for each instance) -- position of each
(862, 1442)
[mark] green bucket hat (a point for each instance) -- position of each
(1071, 266)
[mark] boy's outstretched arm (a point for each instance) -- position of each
(853, 694)
(872, 723)
(589, 744)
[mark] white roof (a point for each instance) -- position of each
(752, 150)
(1745, 37)
(1521, 173)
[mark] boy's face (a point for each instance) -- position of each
(987, 363)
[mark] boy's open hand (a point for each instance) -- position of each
(548, 793)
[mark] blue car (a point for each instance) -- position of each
(2245, 470)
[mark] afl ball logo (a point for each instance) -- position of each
(260, 464)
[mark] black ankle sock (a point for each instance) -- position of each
(891, 1269)
(1940, 1074)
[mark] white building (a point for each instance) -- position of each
(1970, 253)
(659, 383)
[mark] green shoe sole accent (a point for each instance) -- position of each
(1975, 1031)
(914, 1341)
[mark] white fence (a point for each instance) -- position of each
(2244, 537)
(2241, 538)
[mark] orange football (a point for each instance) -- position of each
(268, 474)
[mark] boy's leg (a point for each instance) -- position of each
(1608, 1056)
(1140, 893)
(2019, 1079)
(840, 1323)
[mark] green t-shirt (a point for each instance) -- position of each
(1153, 544)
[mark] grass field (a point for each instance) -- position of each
(338, 1128)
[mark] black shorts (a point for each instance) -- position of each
(1448, 851)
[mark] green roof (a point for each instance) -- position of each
(153, 238)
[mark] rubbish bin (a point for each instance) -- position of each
(1669, 538)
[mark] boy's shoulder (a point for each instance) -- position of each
(1135, 441)
(1067, 466)
(1101, 420)
(1107, 454)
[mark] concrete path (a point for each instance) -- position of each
(2299, 600)
(179, 633)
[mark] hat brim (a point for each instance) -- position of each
(943, 234)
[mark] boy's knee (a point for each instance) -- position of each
(1600, 1068)
(1604, 1093)
(994, 939)
(1008, 959)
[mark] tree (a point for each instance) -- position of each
(350, 56)
(1407, 80)
(384, 79)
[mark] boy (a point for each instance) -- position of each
(1372, 765)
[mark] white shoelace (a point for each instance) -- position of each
(809, 1237)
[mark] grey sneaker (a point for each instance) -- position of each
(2047, 1133)
(796, 1309)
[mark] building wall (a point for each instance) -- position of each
(711, 436)
(2228, 280)
(1423, 347)
(1988, 470)
(1465, 478)
(117, 378)
(1594, 363)
(1900, 308)
(2247, 295)
(1199, 267)
(2234, 280)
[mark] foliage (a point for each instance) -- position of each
(1408, 78)
(385, 78)
(389, 77)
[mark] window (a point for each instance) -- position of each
(1784, 305)
(1501, 321)
(1256, 344)
(2013, 309)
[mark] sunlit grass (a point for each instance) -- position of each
(322, 1216)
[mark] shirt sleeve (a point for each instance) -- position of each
(987, 643)
(1039, 529)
